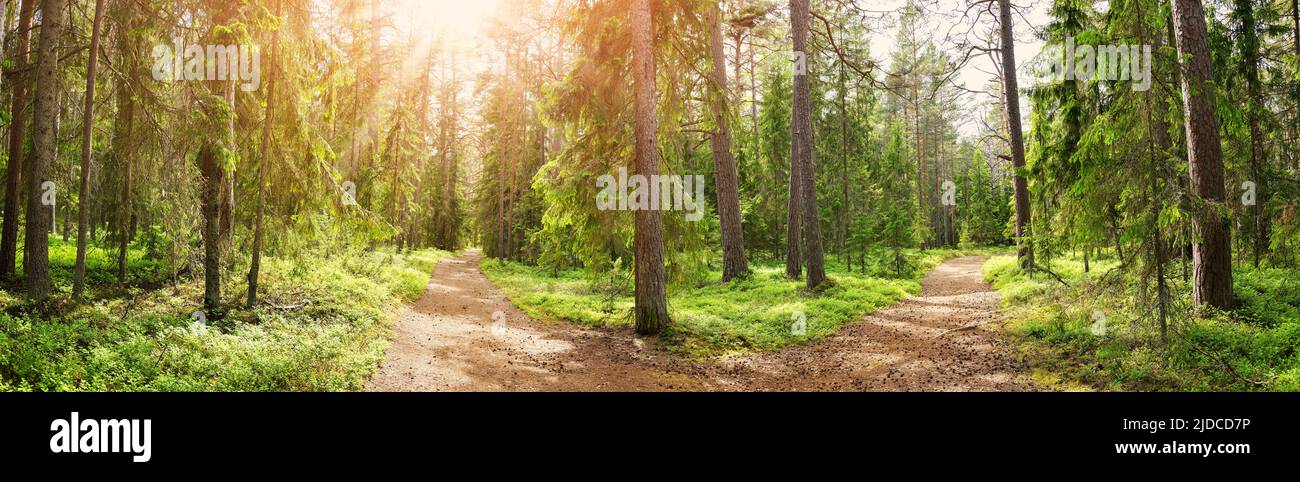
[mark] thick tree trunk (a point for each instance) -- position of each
(1211, 253)
(17, 141)
(36, 248)
(733, 240)
(651, 290)
(1011, 104)
(213, 184)
(264, 162)
(802, 123)
(87, 138)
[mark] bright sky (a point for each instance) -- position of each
(463, 22)
(461, 18)
(945, 18)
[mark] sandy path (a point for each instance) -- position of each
(450, 340)
(938, 341)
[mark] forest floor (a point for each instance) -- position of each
(464, 334)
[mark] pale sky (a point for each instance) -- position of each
(944, 18)
(944, 23)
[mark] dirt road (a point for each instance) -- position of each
(465, 335)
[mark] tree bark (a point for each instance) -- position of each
(449, 182)
(1011, 104)
(1211, 253)
(122, 147)
(36, 248)
(87, 141)
(794, 205)
(502, 172)
(213, 184)
(17, 140)
(802, 124)
(651, 296)
(4, 28)
(733, 238)
(1295, 88)
(264, 162)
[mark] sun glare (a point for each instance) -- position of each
(457, 18)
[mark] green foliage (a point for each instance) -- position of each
(1256, 347)
(754, 313)
(323, 326)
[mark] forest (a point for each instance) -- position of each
(646, 195)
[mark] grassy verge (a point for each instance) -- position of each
(322, 326)
(756, 313)
(1255, 347)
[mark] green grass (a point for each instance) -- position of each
(1254, 347)
(323, 327)
(755, 313)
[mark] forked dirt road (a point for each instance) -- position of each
(465, 335)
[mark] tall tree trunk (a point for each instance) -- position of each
(1249, 45)
(502, 172)
(1011, 97)
(17, 141)
(841, 212)
(417, 218)
(1295, 88)
(264, 162)
(753, 96)
(1211, 253)
(812, 224)
(920, 151)
(87, 138)
(733, 238)
(123, 147)
(793, 255)
(794, 205)
(213, 173)
(215, 195)
(1158, 150)
(449, 182)
(36, 248)
(4, 28)
(651, 292)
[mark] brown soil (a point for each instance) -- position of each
(940, 341)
